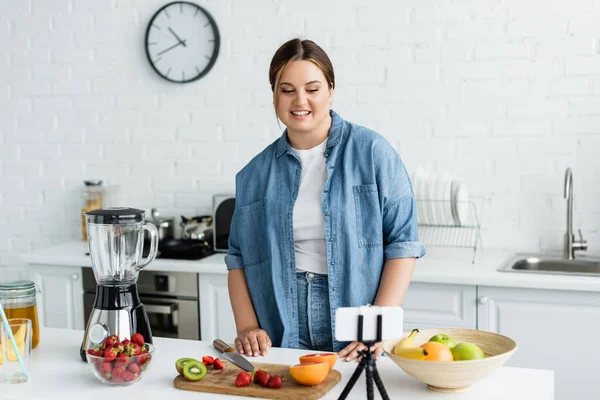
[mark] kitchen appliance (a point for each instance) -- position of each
(223, 208)
(165, 226)
(171, 300)
(197, 228)
(115, 241)
(229, 354)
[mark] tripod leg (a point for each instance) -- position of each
(352, 381)
(370, 394)
(379, 383)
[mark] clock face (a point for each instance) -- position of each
(182, 42)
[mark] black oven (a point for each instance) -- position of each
(171, 301)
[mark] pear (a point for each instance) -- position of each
(467, 351)
(407, 342)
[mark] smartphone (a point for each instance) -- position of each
(346, 323)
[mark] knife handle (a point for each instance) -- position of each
(222, 346)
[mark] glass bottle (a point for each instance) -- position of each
(18, 300)
(92, 200)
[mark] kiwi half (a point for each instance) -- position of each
(194, 370)
(181, 362)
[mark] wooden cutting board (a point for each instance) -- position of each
(223, 382)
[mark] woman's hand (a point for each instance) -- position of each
(351, 351)
(253, 342)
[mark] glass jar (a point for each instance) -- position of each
(92, 200)
(19, 301)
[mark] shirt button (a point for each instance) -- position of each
(311, 275)
(327, 214)
(326, 190)
(332, 263)
(331, 167)
(331, 239)
(333, 289)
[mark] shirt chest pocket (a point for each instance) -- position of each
(369, 225)
(252, 231)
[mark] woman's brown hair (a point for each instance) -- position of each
(295, 50)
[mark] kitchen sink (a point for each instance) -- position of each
(542, 264)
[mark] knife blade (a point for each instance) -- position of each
(229, 354)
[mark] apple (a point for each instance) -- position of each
(467, 351)
(443, 339)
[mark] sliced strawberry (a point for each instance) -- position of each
(217, 364)
(208, 360)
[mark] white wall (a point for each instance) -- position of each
(504, 93)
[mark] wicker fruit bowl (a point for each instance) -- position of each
(455, 376)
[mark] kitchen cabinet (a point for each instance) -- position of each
(216, 315)
(433, 305)
(544, 323)
(60, 303)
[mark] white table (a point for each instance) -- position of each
(58, 373)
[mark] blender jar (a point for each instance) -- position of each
(116, 240)
(19, 301)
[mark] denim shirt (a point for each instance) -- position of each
(370, 217)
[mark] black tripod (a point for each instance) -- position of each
(367, 361)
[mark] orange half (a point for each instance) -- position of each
(310, 374)
(329, 358)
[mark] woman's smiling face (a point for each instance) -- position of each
(303, 97)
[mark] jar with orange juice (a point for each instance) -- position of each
(19, 301)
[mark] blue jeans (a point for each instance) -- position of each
(314, 318)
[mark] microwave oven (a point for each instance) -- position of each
(223, 208)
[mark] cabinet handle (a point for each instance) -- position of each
(74, 277)
(483, 300)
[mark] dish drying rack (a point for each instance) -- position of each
(452, 234)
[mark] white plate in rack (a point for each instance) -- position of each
(462, 205)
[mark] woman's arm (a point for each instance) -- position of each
(250, 340)
(241, 303)
(396, 276)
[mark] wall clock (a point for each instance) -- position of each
(182, 42)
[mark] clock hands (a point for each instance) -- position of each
(172, 47)
(177, 37)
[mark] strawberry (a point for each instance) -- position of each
(91, 352)
(261, 377)
(125, 342)
(275, 382)
(118, 380)
(127, 376)
(109, 341)
(117, 370)
(110, 353)
(243, 379)
(138, 339)
(217, 364)
(99, 353)
(106, 366)
(133, 349)
(208, 360)
(133, 367)
(144, 358)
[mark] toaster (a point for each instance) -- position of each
(223, 208)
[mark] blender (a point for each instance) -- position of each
(116, 240)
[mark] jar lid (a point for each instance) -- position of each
(115, 215)
(16, 289)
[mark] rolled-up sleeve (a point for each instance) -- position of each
(400, 229)
(233, 259)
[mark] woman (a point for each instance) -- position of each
(325, 218)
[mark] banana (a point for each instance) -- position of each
(407, 342)
(416, 353)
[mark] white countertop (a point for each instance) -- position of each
(449, 266)
(57, 372)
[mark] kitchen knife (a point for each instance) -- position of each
(229, 354)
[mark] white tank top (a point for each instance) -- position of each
(309, 225)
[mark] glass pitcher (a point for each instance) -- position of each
(116, 240)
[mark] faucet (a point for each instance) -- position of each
(571, 245)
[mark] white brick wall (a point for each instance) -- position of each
(505, 94)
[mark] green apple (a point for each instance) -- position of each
(443, 339)
(467, 351)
